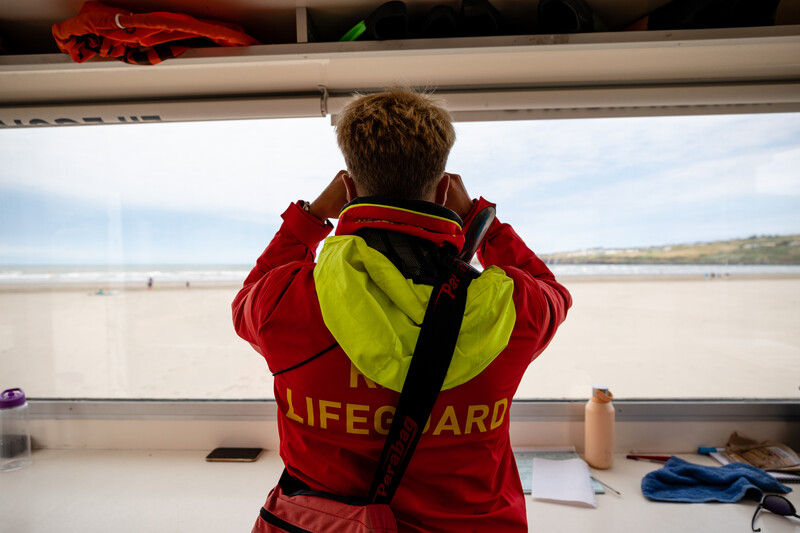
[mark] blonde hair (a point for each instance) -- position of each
(395, 143)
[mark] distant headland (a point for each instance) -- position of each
(755, 250)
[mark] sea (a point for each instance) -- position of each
(119, 274)
(171, 274)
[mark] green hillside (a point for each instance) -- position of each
(765, 250)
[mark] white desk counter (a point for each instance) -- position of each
(177, 491)
(632, 512)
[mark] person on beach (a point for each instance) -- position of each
(339, 333)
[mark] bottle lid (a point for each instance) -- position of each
(12, 398)
(601, 394)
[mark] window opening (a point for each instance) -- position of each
(679, 238)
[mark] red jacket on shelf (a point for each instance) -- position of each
(140, 38)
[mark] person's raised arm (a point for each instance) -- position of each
(539, 298)
(332, 199)
(458, 199)
(294, 244)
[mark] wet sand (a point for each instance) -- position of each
(644, 338)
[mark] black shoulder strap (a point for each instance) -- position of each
(429, 364)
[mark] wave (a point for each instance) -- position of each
(705, 270)
(62, 275)
(58, 275)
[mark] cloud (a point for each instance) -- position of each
(780, 175)
(618, 182)
(536, 153)
(245, 166)
(586, 182)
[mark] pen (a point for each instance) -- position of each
(612, 489)
(708, 451)
(651, 458)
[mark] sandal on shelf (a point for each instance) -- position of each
(441, 21)
(567, 16)
(703, 14)
(479, 18)
(389, 21)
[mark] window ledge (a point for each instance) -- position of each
(642, 426)
(689, 410)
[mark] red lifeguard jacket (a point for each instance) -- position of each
(144, 39)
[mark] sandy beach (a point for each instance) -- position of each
(644, 338)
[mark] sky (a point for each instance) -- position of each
(213, 192)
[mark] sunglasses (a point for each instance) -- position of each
(776, 504)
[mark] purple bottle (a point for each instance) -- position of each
(15, 437)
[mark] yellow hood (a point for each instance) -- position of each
(375, 313)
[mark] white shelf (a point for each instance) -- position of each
(287, 79)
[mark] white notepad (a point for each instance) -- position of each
(568, 481)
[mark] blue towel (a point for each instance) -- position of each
(681, 481)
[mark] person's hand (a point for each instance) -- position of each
(331, 200)
(458, 199)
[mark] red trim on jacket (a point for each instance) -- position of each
(438, 230)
